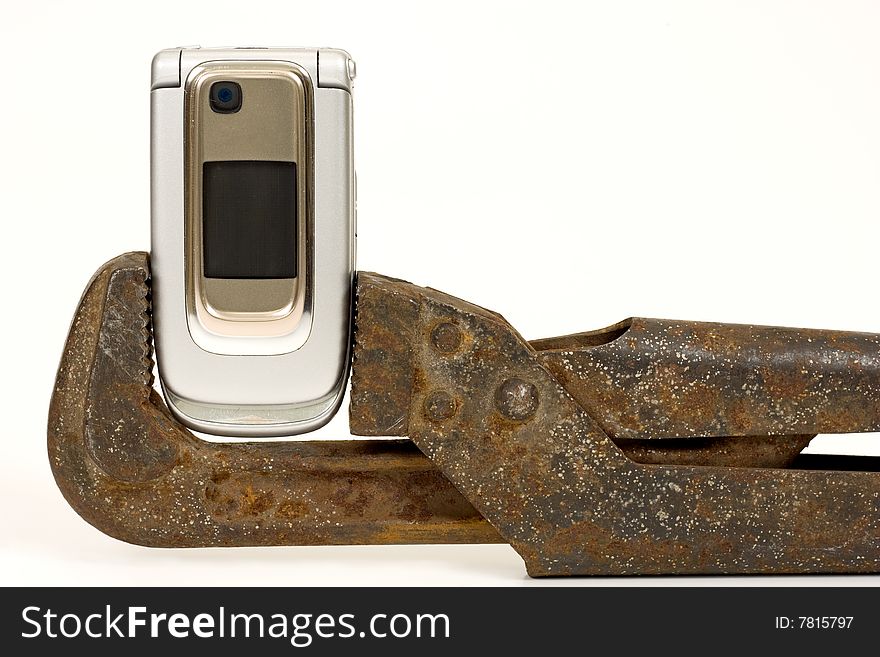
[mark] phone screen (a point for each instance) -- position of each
(249, 222)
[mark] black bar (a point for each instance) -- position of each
(517, 621)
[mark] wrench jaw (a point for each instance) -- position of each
(383, 377)
(132, 471)
(110, 437)
(382, 362)
(527, 449)
(129, 432)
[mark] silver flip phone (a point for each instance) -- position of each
(253, 236)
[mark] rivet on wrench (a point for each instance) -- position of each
(516, 399)
(439, 406)
(446, 337)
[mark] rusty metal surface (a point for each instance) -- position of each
(382, 368)
(555, 485)
(655, 378)
(646, 379)
(620, 397)
(127, 467)
(505, 441)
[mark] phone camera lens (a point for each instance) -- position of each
(225, 97)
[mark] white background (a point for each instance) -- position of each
(566, 164)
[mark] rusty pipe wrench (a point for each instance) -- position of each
(650, 447)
